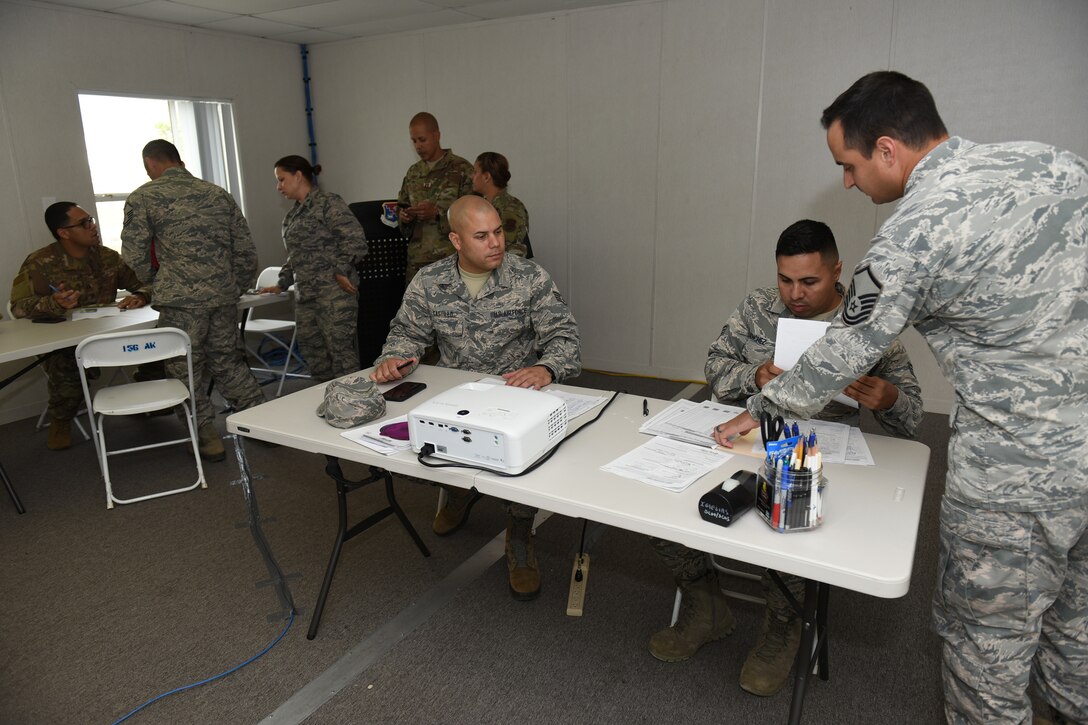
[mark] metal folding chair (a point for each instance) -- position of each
(268, 328)
(116, 349)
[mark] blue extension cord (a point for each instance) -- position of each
(290, 621)
(276, 355)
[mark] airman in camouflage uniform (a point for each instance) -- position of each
(206, 260)
(74, 271)
(736, 368)
(431, 185)
(489, 312)
(987, 255)
(515, 221)
(324, 241)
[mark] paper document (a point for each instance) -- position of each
(576, 402)
(371, 437)
(793, 338)
(672, 465)
(693, 423)
(85, 313)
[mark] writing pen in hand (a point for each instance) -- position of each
(405, 364)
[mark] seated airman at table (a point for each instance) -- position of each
(74, 271)
(489, 312)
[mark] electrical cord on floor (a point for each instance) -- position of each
(221, 675)
(428, 449)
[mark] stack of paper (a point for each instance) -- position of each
(669, 464)
(371, 437)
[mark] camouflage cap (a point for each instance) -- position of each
(350, 401)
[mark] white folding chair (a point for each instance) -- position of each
(115, 349)
(43, 418)
(268, 328)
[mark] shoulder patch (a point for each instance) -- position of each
(861, 297)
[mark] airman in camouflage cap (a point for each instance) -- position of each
(987, 256)
(431, 185)
(206, 259)
(490, 312)
(74, 271)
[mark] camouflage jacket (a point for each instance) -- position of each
(448, 181)
(515, 221)
(518, 311)
(97, 277)
(747, 341)
(987, 255)
(206, 256)
(323, 238)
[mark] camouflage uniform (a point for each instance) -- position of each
(323, 238)
(206, 259)
(447, 181)
(746, 342)
(518, 311)
(987, 255)
(515, 221)
(96, 277)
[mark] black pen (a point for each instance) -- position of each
(405, 364)
(645, 407)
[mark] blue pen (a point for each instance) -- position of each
(54, 288)
(794, 430)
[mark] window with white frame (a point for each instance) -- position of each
(115, 129)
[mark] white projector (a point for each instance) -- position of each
(490, 426)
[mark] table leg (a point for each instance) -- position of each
(11, 491)
(344, 534)
(813, 647)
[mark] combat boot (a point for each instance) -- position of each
(210, 444)
(704, 617)
(454, 514)
(60, 435)
(768, 665)
(521, 559)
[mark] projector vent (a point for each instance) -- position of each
(557, 422)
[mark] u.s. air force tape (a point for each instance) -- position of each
(861, 297)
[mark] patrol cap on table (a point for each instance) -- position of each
(350, 401)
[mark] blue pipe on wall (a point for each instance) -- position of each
(309, 107)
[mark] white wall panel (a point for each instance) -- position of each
(48, 55)
(614, 59)
(706, 161)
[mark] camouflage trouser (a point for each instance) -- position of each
(327, 326)
(65, 389)
(1011, 605)
(422, 253)
(687, 564)
(217, 352)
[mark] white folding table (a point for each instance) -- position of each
(866, 543)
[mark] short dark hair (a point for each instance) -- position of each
(294, 163)
(805, 237)
(161, 150)
(425, 119)
(885, 103)
(56, 216)
(494, 163)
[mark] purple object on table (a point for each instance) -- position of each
(398, 431)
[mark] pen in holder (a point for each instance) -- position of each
(790, 500)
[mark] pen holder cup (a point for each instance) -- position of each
(790, 500)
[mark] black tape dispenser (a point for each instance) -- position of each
(724, 503)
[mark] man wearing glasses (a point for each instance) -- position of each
(73, 271)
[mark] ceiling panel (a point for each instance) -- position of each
(301, 21)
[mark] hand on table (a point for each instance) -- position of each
(131, 302)
(535, 377)
(734, 428)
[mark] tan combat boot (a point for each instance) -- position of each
(454, 514)
(768, 665)
(211, 445)
(704, 617)
(60, 435)
(521, 559)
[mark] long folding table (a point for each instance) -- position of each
(866, 543)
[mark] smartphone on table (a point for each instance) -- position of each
(402, 392)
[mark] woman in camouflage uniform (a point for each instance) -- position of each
(490, 175)
(324, 241)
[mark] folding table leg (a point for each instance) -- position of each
(813, 646)
(11, 491)
(343, 533)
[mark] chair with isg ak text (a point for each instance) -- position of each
(268, 327)
(115, 349)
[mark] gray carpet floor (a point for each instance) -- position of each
(107, 609)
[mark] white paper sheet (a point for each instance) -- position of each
(793, 338)
(90, 313)
(665, 463)
(371, 437)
